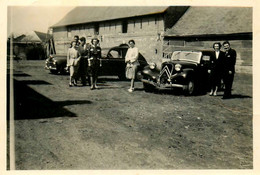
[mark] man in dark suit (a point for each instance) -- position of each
(215, 70)
(83, 51)
(229, 68)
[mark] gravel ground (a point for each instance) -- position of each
(58, 127)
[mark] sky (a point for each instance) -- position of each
(24, 19)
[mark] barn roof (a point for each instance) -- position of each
(81, 15)
(31, 37)
(212, 21)
(43, 36)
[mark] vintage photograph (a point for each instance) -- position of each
(129, 88)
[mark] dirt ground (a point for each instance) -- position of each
(60, 128)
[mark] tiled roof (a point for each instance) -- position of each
(213, 20)
(88, 14)
(43, 36)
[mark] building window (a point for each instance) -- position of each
(134, 24)
(141, 24)
(155, 21)
(69, 32)
(76, 28)
(96, 29)
(124, 27)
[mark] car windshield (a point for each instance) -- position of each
(186, 56)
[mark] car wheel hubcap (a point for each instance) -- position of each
(190, 86)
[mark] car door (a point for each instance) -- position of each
(113, 63)
(205, 63)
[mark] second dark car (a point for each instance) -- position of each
(187, 70)
(113, 62)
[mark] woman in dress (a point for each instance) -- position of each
(94, 62)
(131, 59)
(73, 58)
(215, 72)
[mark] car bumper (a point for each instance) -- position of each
(163, 86)
(50, 67)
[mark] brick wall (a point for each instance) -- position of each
(144, 30)
(149, 45)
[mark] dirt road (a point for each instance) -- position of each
(58, 127)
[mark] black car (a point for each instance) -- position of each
(187, 70)
(56, 64)
(112, 63)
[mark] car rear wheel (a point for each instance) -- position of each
(190, 87)
(61, 69)
(122, 77)
(148, 87)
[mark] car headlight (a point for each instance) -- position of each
(177, 67)
(152, 65)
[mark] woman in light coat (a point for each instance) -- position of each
(131, 59)
(73, 58)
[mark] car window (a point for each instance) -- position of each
(206, 58)
(114, 54)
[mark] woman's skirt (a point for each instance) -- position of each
(74, 71)
(215, 78)
(93, 67)
(131, 71)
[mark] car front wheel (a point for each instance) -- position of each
(190, 87)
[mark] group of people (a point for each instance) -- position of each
(83, 60)
(222, 68)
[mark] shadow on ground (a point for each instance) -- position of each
(29, 104)
(114, 79)
(34, 82)
(173, 91)
(240, 96)
(21, 75)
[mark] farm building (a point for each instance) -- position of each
(28, 46)
(160, 30)
(200, 27)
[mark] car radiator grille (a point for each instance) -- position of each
(166, 72)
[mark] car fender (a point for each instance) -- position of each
(60, 59)
(188, 73)
(149, 72)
